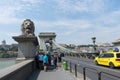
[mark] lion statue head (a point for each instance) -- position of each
(27, 28)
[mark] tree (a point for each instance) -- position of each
(14, 48)
(5, 55)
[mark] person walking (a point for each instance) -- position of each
(60, 55)
(55, 61)
(40, 56)
(59, 60)
(52, 60)
(45, 61)
(49, 59)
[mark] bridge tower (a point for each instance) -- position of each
(46, 39)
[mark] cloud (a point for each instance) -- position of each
(113, 17)
(74, 6)
(110, 20)
(33, 1)
(10, 11)
(83, 29)
(76, 27)
(63, 27)
(8, 14)
(65, 23)
(9, 34)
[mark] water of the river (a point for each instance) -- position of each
(6, 63)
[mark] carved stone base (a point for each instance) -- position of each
(26, 46)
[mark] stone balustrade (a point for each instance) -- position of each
(19, 71)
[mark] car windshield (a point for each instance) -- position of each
(118, 55)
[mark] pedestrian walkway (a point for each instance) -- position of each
(55, 74)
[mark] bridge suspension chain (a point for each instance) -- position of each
(63, 48)
(44, 46)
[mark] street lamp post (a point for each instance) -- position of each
(94, 39)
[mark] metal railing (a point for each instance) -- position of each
(82, 55)
(75, 69)
(84, 71)
(99, 73)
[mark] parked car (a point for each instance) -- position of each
(111, 59)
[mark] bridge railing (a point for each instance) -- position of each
(73, 67)
(19, 71)
(82, 55)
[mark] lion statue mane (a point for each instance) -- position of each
(27, 28)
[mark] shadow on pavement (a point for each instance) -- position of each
(35, 75)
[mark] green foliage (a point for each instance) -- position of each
(8, 51)
(69, 47)
(2, 49)
(5, 55)
(13, 48)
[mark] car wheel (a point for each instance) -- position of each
(96, 62)
(111, 65)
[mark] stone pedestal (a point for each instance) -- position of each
(27, 46)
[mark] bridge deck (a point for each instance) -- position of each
(55, 74)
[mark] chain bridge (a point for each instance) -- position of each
(48, 43)
(75, 66)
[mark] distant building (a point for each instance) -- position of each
(117, 43)
(84, 48)
(9, 49)
(90, 48)
(103, 47)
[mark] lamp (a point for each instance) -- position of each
(94, 39)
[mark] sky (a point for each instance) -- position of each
(73, 21)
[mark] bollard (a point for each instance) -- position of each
(99, 76)
(70, 67)
(75, 70)
(84, 73)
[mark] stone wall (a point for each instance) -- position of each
(19, 71)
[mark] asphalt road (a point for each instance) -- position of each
(93, 71)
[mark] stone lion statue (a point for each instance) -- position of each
(27, 28)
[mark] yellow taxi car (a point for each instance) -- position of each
(111, 59)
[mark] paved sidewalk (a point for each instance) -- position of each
(56, 74)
